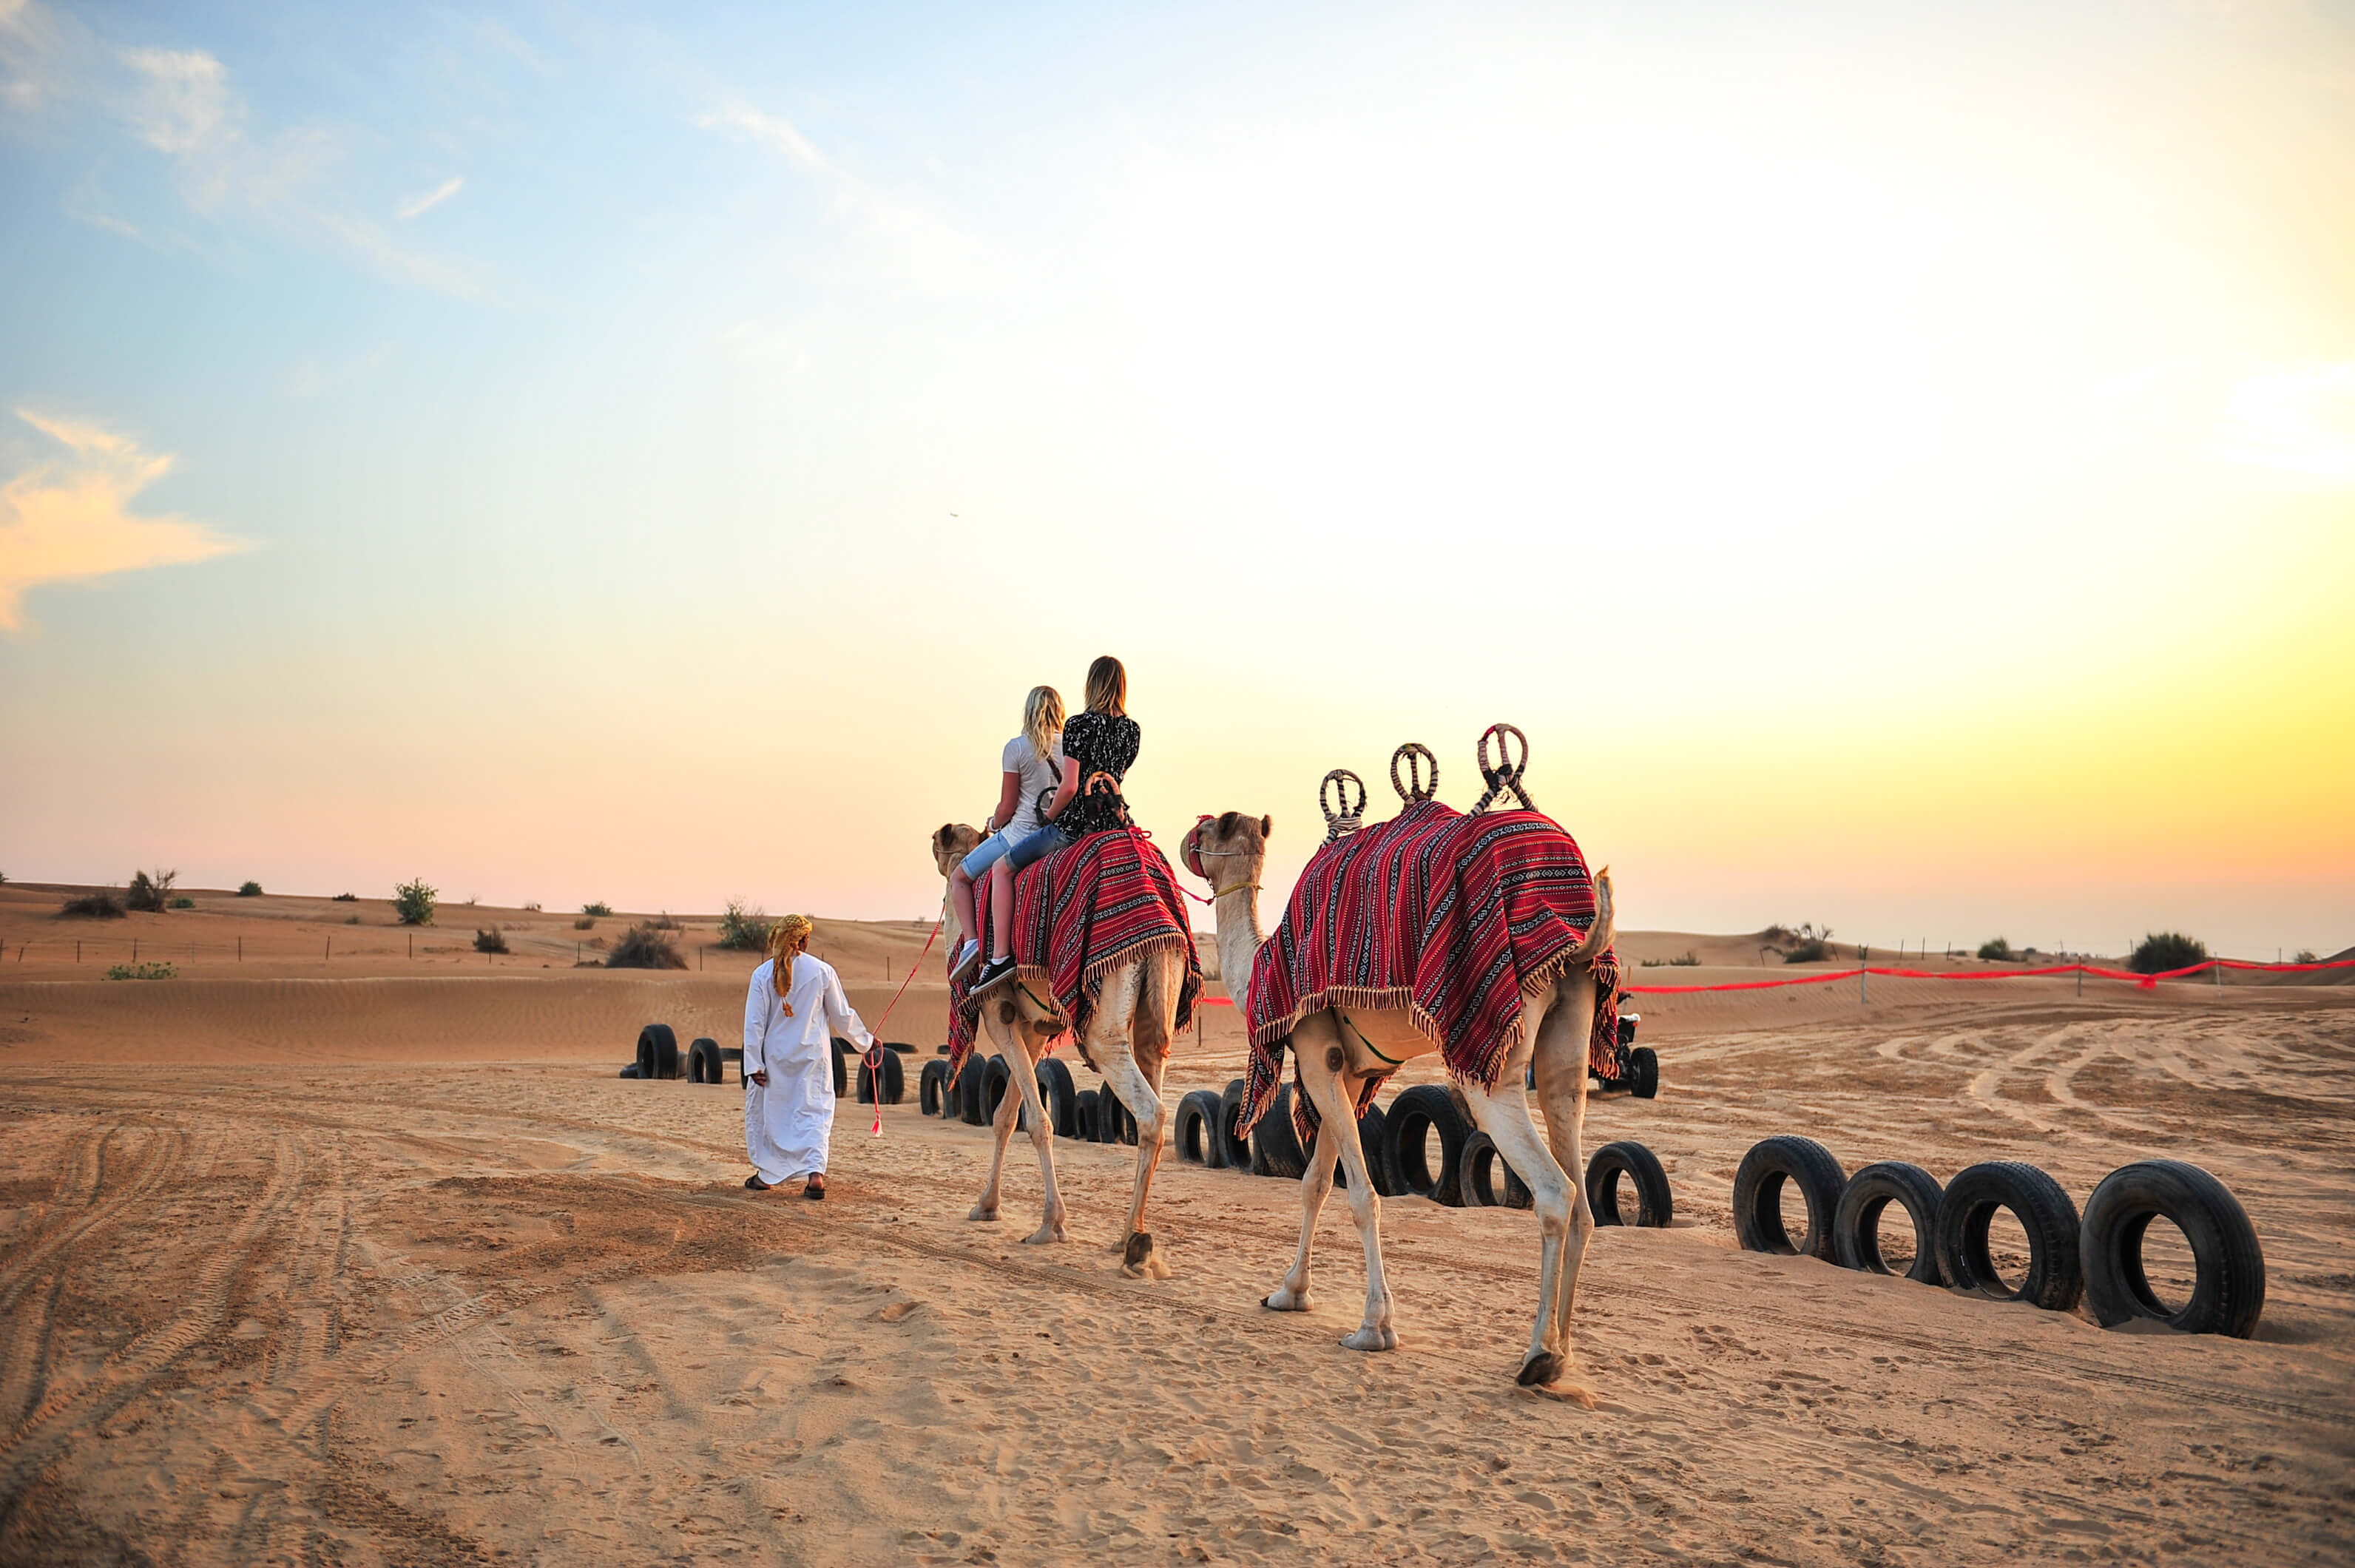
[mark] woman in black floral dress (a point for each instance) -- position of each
(1099, 748)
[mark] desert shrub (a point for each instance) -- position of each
(249, 890)
(346, 897)
(94, 906)
(2163, 950)
(150, 892)
(644, 947)
(1689, 961)
(351, 919)
(491, 941)
(743, 930)
(183, 903)
(531, 909)
(413, 902)
(2306, 956)
(586, 922)
(1806, 950)
(663, 922)
(141, 972)
(1777, 932)
(1998, 951)
(598, 909)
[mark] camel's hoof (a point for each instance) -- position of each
(1044, 1236)
(1370, 1338)
(1138, 1260)
(1286, 1299)
(983, 1213)
(1539, 1369)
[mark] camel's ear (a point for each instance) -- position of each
(1226, 820)
(1267, 827)
(941, 839)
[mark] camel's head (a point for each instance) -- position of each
(1228, 849)
(952, 843)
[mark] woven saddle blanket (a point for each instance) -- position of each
(1450, 917)
(1079, 914)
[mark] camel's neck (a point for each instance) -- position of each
(948, 923)
(1238, 934)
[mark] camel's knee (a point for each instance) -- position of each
(1365, 1206)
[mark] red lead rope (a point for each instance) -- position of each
(874, 1058)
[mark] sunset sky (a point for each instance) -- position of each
(1897, 462)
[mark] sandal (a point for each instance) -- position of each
(814, 1190)
(756, 1184)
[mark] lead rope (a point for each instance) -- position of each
(873, 1059)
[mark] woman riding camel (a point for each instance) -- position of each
(1099, 748)
(792, 1010)
(1019, 831)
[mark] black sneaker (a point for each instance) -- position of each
(993, 973)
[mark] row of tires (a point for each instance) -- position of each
(2095, 1257)
(705, 1061)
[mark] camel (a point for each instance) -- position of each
(1127, 1043)
(1339, 1050)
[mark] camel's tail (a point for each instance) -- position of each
(1598, 937)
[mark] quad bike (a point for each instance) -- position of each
(1634, 1068)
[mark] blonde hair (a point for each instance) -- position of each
(787, 937)
(1107, 686)
(1042, 718)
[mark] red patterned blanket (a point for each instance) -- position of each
(1449, 916)
(1079, 914)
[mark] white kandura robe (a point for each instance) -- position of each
(788, 1123)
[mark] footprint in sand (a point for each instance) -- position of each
(899, 1311)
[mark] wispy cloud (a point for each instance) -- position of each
(2297, 420)
(934, 254)
(69, 520)
(433, 198)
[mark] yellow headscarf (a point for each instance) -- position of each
(787, 936)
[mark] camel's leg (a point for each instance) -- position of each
(1314, 1040)
(1334, 1093)
(1109, 1044)
(1001, 1036)
(1560, 1060)
(1042, 1135)
(1503, 1112)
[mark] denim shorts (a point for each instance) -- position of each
(1033, 845)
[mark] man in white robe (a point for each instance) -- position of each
(789, 1062)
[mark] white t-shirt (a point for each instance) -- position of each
(1037, 776)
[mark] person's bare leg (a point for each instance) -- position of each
(1001, 908)
(961, 899)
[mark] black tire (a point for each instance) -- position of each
(2229, 1292)
(1274, 1147)
(631, 1072)
(1196, 1129)
(657, 1051)
(843, 1049)
(703, 1063)
(1856, 1222)
(1060, 1097)
(970, 1089)
(997, 1082)
(2056, 1279)
(1414, 1114)
(893, 1076)
(1374, 1139)
(1477, 1176)
(1236, 1148)
(902, 1046)
(1115, 1123)
(929, 1083)
(1644, 1073)
(1656, 1206)
(1083, 1116)
(1758, 1195)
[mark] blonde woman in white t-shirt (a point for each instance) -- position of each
(1021, 829)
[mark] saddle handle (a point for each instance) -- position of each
(1340, 817)
(1414, 791)
(1504, 777)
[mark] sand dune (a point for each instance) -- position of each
(393, 1269)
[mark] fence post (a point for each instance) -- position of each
(2081, 979)
(134, 950)
(330, 952)
(240, 949)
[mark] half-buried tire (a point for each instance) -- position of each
(1060, 1097)
(893, 1076)
(1655, 1205)
(1374, 1139)
(997, 1082)
(703, 1063)
(1758, 1195)
(2055, 1279)
(971, 1088)
(1415, 1114)
(632, 1070)
(1274, 1147)
(2229, 1289)
(1115, 1123)
(932, 1078)
(1487, 1181)
(1196, 1129)
(1856, 1222)
(843, 1052)
(1237, 1147)
(1083, 1116)
(657, 1051)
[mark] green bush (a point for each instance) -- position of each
(2306, 956)
(491, 941)
(1998, 951)
(1689, 961)
(183, 904)
(149, 892)
(586, 922)
(1808, 950)
(413, 902)
(249, 890)
(743, 930)
(2163, 950)
(643, 947)
(599, 909)
(141, 972)
(94, 906)
(346, 897)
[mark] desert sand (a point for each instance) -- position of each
(321, 1253)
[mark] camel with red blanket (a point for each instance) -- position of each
(1478, 937)
(1104, 953)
